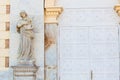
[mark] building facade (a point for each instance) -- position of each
(74, 39)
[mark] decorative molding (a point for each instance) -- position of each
(24, 71)
(117, 9)
(52, 14)
(49, 3)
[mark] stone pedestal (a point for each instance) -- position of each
(24, 72)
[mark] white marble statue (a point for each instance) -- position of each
(25, 29)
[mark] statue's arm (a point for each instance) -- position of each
(30, 23)
(19, 25)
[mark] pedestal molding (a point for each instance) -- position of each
(24, 71)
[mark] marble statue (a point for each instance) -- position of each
(25, 29)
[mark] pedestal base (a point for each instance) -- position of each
(24, 72)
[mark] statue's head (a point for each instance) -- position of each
(23, 14)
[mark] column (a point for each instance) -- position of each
(52, 14)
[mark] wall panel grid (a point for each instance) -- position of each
(88, 17)
(83, 49)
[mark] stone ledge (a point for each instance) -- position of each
(50, 67)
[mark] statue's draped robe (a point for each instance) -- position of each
(26, 48)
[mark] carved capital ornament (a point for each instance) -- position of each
(51, 12)
(117, 9)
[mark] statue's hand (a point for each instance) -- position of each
(32, 37)
(18, 29)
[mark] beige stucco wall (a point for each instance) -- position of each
(4, 17)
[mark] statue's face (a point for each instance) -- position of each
(23, 14)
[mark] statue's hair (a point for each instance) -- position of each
(22, 13)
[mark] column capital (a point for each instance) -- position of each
(117, 9)
(52, 14)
